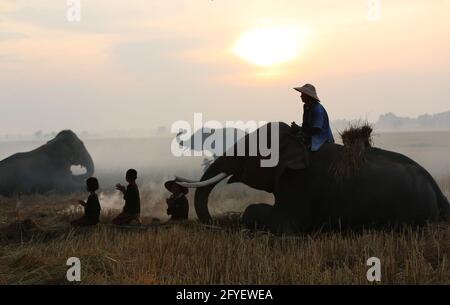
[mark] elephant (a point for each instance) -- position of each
(388, 189)
(47, 168)
(196, 142)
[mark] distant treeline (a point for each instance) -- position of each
(390, 121)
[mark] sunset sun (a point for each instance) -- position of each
(269, 46)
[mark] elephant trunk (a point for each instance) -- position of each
(214, 174)
(88, 163)
(201, 203)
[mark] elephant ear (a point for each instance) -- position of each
(294, 155)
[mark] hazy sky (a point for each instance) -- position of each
(144, 63)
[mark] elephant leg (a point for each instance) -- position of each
(256, 216)
(266, 218)
(68, 185)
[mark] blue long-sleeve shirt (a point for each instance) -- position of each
(317, 125)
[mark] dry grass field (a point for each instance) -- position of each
(190, 253)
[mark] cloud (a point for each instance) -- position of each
(97, 16)
(158, 61)
(149, 56)
(11, 35)
(10, 58)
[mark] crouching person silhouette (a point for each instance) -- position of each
(91, 206)
(132, 208)
(177, 203)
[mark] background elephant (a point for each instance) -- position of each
(227, 137)
(389, 188)
(47, 168)
(204, 133)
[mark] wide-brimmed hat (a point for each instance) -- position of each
(171, 183)
(309, 90)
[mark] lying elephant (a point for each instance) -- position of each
(47, 168)
(389, 188)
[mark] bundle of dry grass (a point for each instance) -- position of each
(357, 139)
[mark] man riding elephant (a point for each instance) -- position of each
(315, 128)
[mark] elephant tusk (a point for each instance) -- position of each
(181, 179)
(210, 181)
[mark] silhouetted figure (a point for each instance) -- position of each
(132, 209)
(315, 128)
(91, 206)
(178, 205)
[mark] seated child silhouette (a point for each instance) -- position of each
(91, 206)
(132, 208)
(178, 205)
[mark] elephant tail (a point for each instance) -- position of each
(444, 205)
